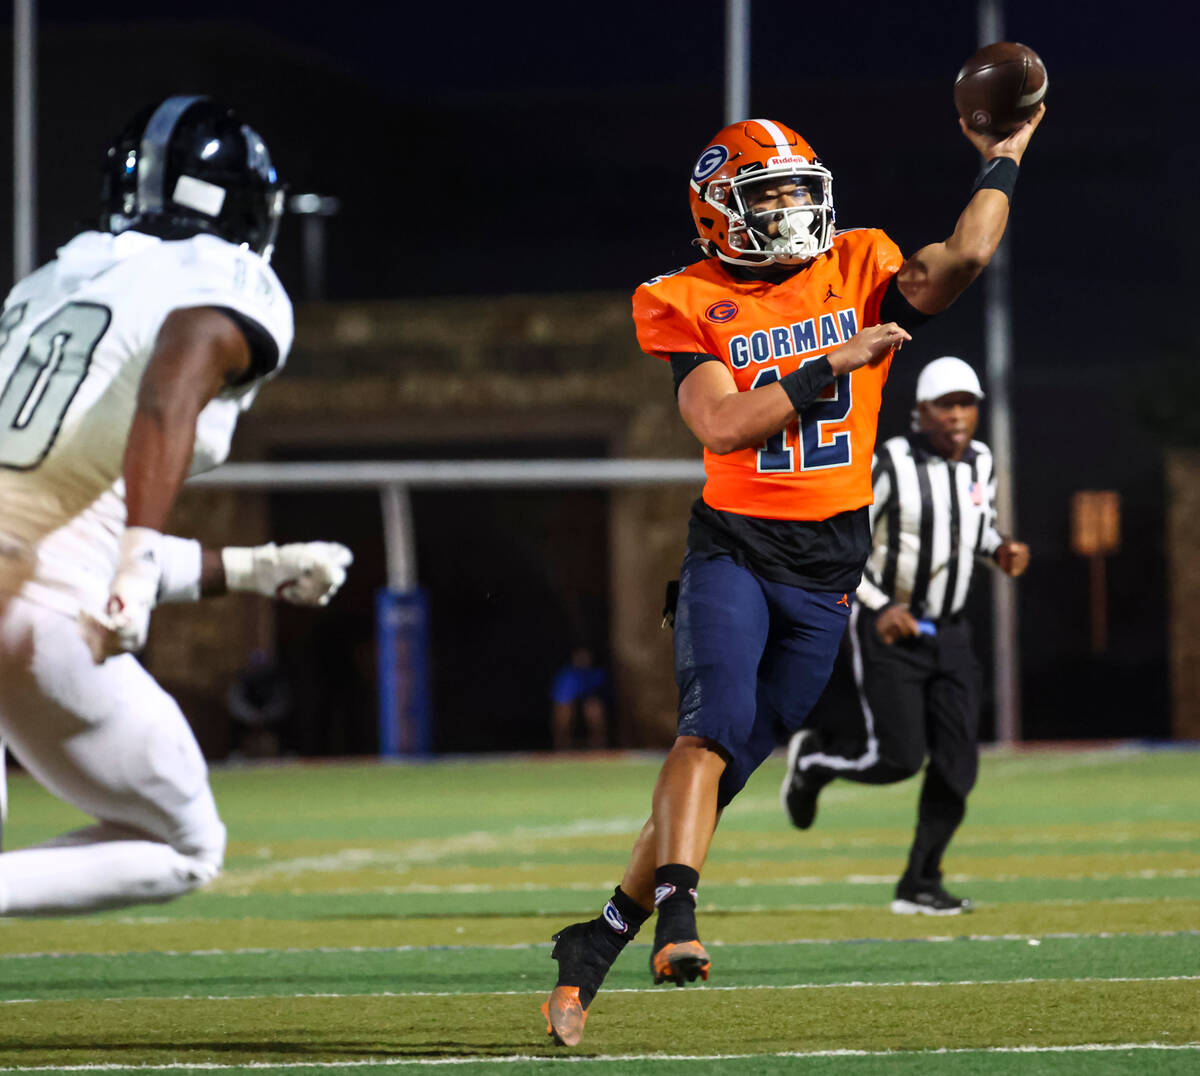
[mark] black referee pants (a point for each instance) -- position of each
(889, 707)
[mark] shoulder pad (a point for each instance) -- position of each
(662, 276)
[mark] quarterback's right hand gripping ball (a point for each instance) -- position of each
(1000, 87)
(302, 573)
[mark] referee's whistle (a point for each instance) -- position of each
(926, 627)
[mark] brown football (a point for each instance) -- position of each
(1000, 87)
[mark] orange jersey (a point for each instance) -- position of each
(820, 464)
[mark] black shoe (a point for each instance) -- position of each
(802, 787)
(929, 900)
(583, 961)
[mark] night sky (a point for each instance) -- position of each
(540, 46)
(472, 144)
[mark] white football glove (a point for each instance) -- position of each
(125, 623)
(304, 573)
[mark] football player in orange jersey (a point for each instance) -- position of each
(779, 340)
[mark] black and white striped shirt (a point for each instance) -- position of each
(932, 518)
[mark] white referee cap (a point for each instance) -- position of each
(946, 375)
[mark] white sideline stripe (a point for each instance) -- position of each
(234, 883)
(1100, 837)
(849, 984)
(425, 852)
(716, 943)
(738, 909)
(517, 1059)
(1066, 902)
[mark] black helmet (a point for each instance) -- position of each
(189, 165)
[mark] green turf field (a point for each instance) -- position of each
(398, 918)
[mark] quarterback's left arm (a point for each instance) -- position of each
(726, 419)
(198, 352)
(939, 273)
(301, 573)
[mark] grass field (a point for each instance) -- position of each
(393, 918)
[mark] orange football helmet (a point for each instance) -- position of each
(759, 196)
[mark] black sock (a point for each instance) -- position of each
(586, 951)
(675, 898)
(616, 926)
(623, 917)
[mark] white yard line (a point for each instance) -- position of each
(716, 943)
(850, 984)
(17, 925)
(426, 852)
(239, 883)
(603, 1059)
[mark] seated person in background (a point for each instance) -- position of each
(259, 699)
(579, 686)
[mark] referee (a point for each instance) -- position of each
(907, 683)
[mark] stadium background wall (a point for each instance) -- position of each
(1103, 379)
(516, 578)
(1183, 575)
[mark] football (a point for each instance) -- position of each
(1000, 87)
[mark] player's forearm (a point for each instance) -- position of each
(743, 419)
(212, 574)
(158, 455)
(198, 352)
(938, 274)
(978, 232)
(726, 420)
(303, 573)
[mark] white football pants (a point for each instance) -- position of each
(108, 740)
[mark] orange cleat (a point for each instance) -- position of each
(680, 962)
(584, 953)
(565, 1015)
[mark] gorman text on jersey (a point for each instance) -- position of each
(799, 338)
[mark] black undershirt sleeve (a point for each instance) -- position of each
(894, 307)
(684, 362)
(264, 353)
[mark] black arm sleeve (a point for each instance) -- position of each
(684, 362)
(894, 307)
(264, 353)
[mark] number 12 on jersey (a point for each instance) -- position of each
(777, 455)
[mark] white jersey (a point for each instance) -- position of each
(75, 338)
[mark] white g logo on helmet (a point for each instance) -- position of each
(710, 160)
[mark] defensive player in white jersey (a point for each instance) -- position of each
(124, 364)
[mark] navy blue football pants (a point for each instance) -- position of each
(751, 658)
